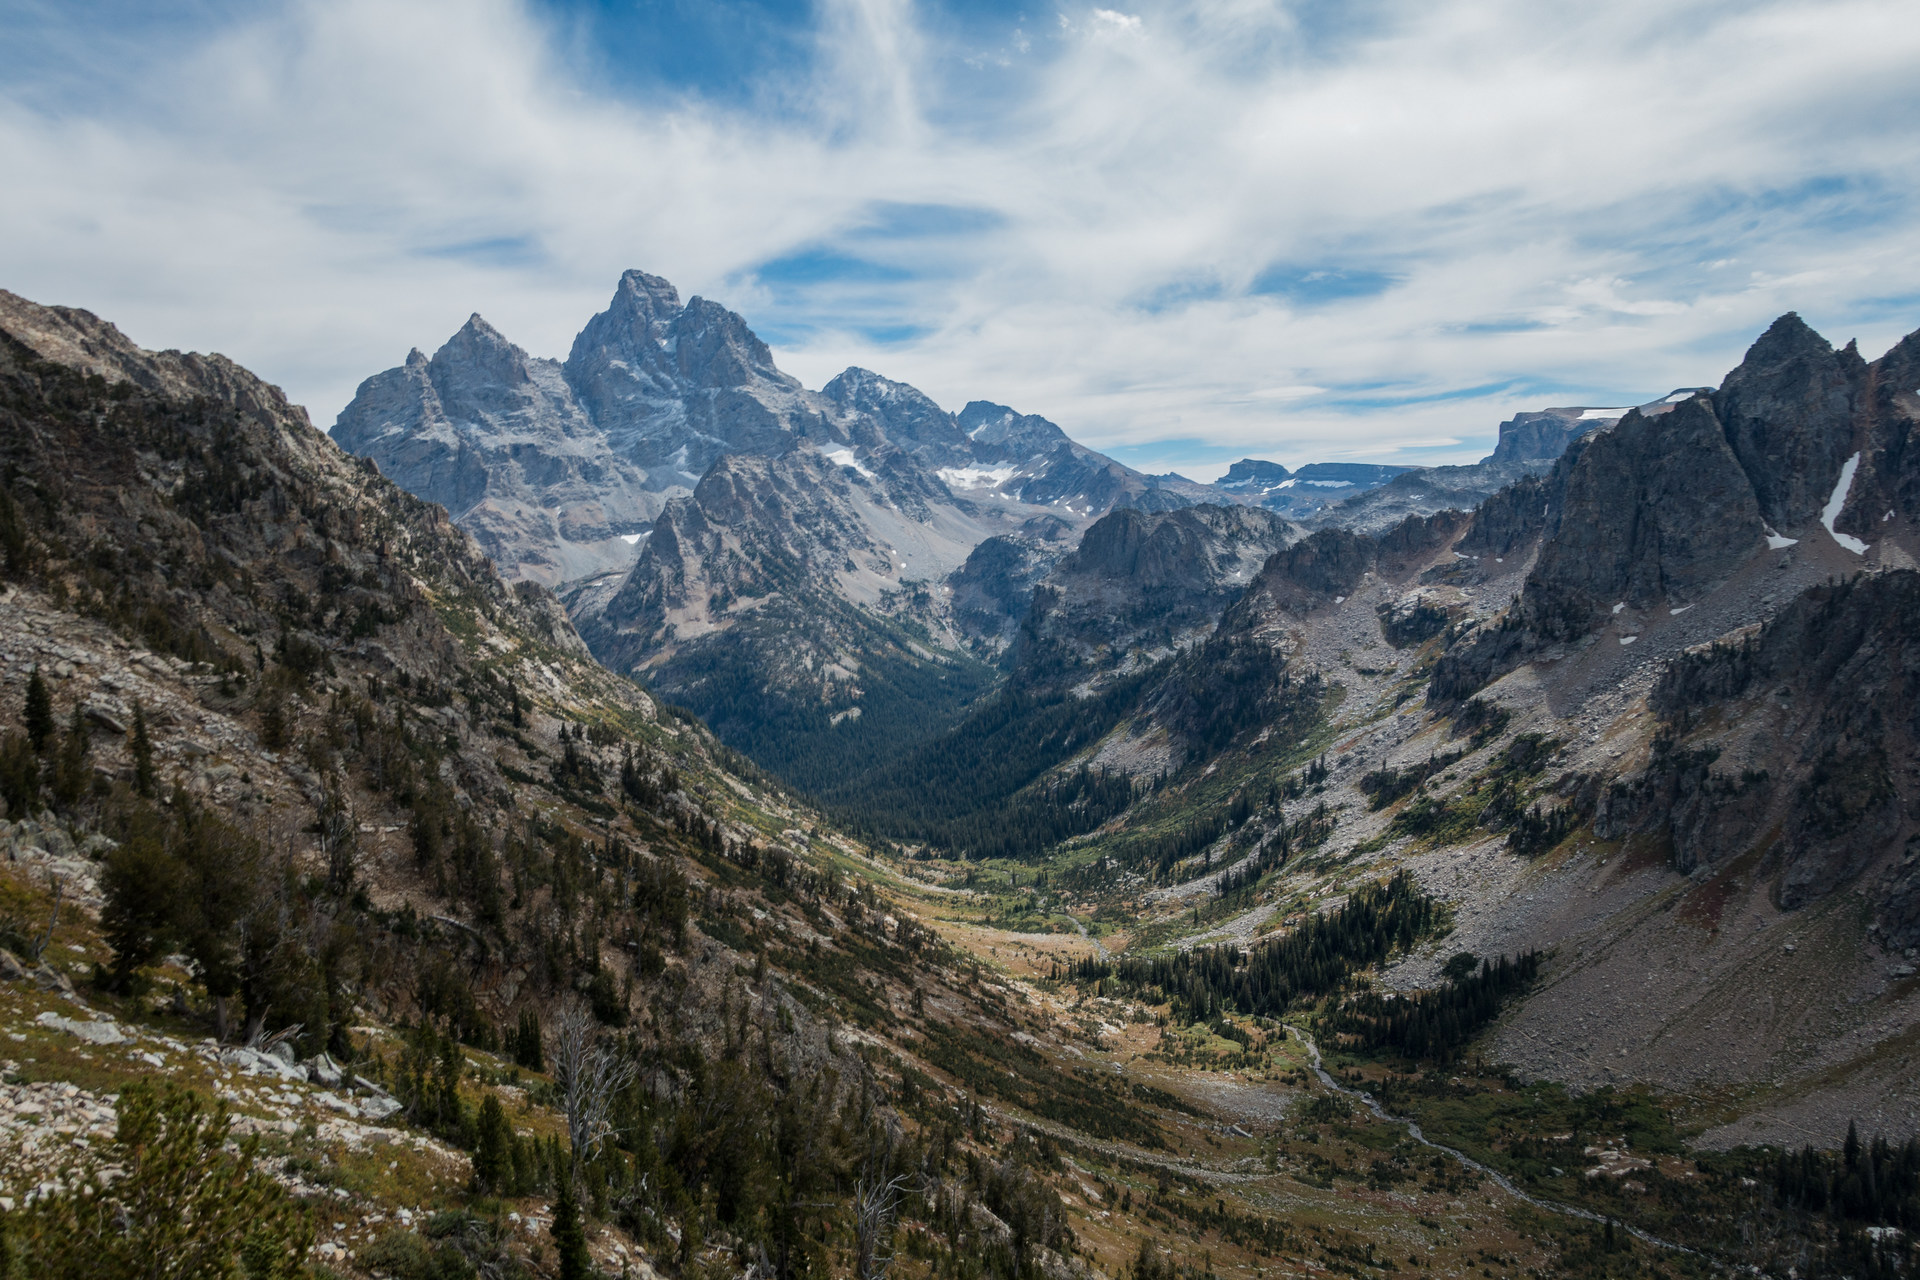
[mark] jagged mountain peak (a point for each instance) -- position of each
(644, 298)
(908, 416)
(718, 348)
(1788, 413)
(854, 385)
(996, 424)
(480, 352)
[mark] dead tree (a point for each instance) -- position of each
(590, 1075)
(876, 1199)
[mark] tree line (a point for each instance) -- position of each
(1312, 960)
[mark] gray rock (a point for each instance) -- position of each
(93, 1032)
(112, 719)
(260, 1064)
(48, 978)
(324, 1071)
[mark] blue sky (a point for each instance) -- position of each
(1188, 232)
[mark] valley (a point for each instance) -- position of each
(939, 847)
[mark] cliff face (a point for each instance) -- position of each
(1788, 416)
(1802, 738)
(499, 439)
(1662, 510)
(1656, 510)
(1147, 581)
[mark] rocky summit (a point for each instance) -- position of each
(559, 469)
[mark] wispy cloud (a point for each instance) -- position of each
(1185, 231)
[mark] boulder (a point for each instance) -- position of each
(324, 1071)
(101, 1033)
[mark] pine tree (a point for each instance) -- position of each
(142, 750)
(569, 1238)
(19, 775)
(70, 766)
(492, 1148)
(38, 716)
(526, 1043)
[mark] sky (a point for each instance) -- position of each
(1186, 232)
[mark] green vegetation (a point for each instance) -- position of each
(1433, 1025)
(973, 791)
(1313, 960)
(184, 1206)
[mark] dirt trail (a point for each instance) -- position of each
(1098, 945)
(1499, 1179)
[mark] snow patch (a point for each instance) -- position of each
(975, 477)
(1326, 484)
(1674, 613)
(846, 458)
(631, 538)
(1838, 502)
(1588, 415)
(1777, 543)
(1617, 608)
(1628, 639)
(1678, 396)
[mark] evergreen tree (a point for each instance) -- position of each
(492, 1148)
(526, 1043)
(70, 766)
(19, 775)
(38, 716)
(142, 750)
(569, 1237)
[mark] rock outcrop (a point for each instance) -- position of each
(1661, 510)
(1140, 580)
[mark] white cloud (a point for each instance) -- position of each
(1516, 199)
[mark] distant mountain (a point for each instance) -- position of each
(1302, 492)
(776, 559)
(560, 469)
(1529, 444)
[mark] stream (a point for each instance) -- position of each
(1498, 1178)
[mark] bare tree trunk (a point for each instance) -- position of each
(876, 1198)
(590, 1075)
(220, 1023)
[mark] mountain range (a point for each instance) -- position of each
(1128, 866)
(1628, 576)
(823, 576)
